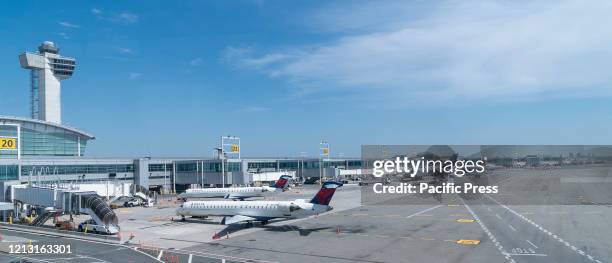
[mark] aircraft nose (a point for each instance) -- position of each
(294, 207)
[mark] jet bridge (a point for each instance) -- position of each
(48, 201)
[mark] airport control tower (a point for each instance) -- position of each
(48, 68)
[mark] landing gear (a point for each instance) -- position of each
(249, 224)
(182, 218)
(264, 222)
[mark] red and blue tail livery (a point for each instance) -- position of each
(324, 195)
(282, 182)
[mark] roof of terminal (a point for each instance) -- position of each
(68, 128)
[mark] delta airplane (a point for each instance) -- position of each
(263, 211)
(240, 193)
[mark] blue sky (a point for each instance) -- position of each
(167, 79)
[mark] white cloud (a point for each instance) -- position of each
(135, 75)
(252, 109)
(125, 50)
(125, 17)
(117, 17)
(196, 62)
(96, 11)
(496, 50)
(68, 24)
(63, 35)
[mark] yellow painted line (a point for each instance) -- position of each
(406, 237)
(453, 205)
(462, 220)
(427, 238)
(468, 242)
(425, 215)
(448, 240)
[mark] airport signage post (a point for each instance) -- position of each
(230, 149)
(324, 154)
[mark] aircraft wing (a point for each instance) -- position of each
(237, 219)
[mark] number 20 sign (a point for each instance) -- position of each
(8, 143)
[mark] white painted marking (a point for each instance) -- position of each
(511, 227)
(537, 255)
(160, 254)
(496, 215)
(489, 234)
(536, 225)
(531, 244)
(190, 258)
(424, 211)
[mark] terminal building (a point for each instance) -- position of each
(41, 150)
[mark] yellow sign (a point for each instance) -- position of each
(325, 150)
(8, 143)
(235, 148)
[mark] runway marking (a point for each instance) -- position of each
(468, 242)
(537, 255)
(427, 238)
(424, 211)
(465, 220)
(75, 238)
(496, 215)
(190, 258)
(511, 227)
(542, 229)
(489, 234)
(488, 208)
(531, 244)
(161, 252)
(425, 215)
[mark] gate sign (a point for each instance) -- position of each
(8, 143)
(235, 148)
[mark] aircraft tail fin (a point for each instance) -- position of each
(324, 196)
(282, 182)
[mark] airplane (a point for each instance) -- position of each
(234, 193)
(249, 211)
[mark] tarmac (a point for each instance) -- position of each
(533, 219)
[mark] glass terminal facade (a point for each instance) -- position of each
(39, 138)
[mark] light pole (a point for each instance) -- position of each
(220, 156)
